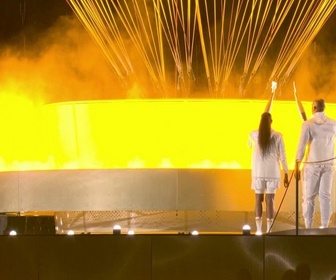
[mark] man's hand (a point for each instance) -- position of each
(286, 182)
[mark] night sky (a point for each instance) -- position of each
(34, 16)
(29, 16)
(24, 23)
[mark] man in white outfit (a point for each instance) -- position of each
(318, 136)
(268, 153)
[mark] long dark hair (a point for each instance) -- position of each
(264, 137)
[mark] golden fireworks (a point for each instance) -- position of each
(219, 35)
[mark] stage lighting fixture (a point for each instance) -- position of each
(130, 232)
(116, 229)
(12, 232)
(246, 230)
(194, 232)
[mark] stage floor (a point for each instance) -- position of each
(168, 256)
(159, 222)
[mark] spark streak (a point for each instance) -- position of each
(226, 32)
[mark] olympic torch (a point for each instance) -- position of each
(269, 104)
(300, 107)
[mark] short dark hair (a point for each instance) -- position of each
(319, 104)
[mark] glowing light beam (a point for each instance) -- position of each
(225, 31)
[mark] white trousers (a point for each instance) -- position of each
(317, 180)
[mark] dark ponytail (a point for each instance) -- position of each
(264, 138)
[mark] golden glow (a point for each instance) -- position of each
(167, 133)
(227, 31)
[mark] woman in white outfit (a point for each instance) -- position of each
(268, 153)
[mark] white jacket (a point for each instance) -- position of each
(318, 134)
(268, 167)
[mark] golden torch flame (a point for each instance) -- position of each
(269, 104)
(299, 104)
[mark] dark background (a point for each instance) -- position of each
(35, 16)
(29, 16)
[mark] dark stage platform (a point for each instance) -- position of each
(167, 257)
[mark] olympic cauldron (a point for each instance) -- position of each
(173, 164)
